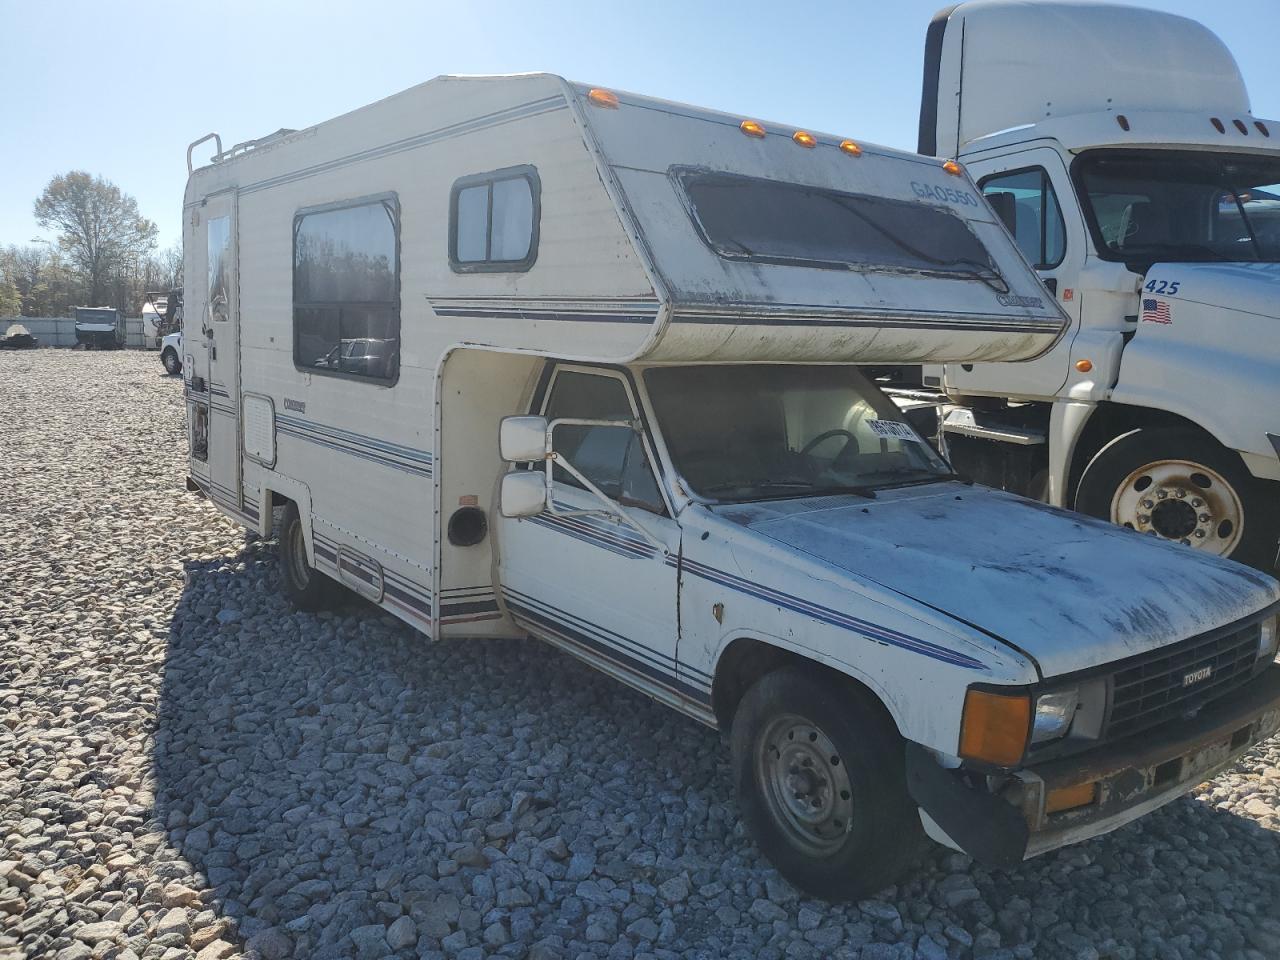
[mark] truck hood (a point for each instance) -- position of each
(1248, 287)
(1069, 591)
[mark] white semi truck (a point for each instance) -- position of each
(1118, 146)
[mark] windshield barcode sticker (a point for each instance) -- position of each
(893, 430)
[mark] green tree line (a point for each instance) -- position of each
(105, 253)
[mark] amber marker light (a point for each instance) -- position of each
(751, 128)
(994, 727)
(603, 98)
(1069, 798)
(953, 168)
(851, 148)
(1084, 366)
(805, 139)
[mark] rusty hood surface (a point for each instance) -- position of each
(1070, 591)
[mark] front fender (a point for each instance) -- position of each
(1223, 380)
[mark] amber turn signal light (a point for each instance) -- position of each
(1068, 798)
(751, 128)
(1084, 366)
(603, 98)
(953, 168)
(995, 727)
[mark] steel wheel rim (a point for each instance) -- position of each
(298, 556)
(1183, 501)
(170, 362)
(805, 785)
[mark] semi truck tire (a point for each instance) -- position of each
(305, 586)
(1180, 485)
(171, 362)
(820, 780)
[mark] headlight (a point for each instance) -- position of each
(1053, 714)
(1267, 639)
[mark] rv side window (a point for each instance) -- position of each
(346, 289)
(613, 458)
(1028, 206)
(493, 221)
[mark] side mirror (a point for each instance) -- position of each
(524, 492)
(522, 439)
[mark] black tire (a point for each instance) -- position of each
(1243, 518)
(881, 839)
(305, 586)
(171, 362)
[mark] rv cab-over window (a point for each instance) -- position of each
(346, 289)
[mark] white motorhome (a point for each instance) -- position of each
(1118, 145)
(513, 356)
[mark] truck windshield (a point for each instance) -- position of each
(762, 432)
(769, 221)
(1181, 206)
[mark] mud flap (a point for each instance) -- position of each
(987, 828)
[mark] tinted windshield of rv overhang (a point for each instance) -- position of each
(769, 221)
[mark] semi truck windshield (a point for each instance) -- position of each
(1181, 206)
(769, 221)
(761, 432)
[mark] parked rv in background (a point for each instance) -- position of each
(99, 328)
(1118, 146)
(511, 356)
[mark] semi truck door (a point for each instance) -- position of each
(590, 583)
(220, 329)
(1032, 194)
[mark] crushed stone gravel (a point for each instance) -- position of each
(191, 769)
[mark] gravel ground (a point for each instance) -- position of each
(189, 768)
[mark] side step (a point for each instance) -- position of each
(966, 422)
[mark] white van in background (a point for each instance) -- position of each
(513, 356)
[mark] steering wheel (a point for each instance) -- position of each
(827, 435)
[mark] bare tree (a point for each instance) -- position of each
(98, 226)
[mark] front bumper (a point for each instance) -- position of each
(1132, 778)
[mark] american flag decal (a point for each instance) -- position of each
(1155, 311)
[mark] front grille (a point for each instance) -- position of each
(1154, 688)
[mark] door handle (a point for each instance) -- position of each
(1052, 284)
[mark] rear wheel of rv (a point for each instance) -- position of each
(171, 362)
(820, 780)
(1178, 484)
(305, 586)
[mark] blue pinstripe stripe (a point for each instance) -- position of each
(826, 614)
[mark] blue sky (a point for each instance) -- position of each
(120, 88)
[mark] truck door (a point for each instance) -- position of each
(220, 331)
(592, 584)
(1032, 193)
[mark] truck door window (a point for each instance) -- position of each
(1026, 201)
(613, 458)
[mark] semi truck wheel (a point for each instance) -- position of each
(171, 362)
(305, 586)
(1180, 485)
(821, 784)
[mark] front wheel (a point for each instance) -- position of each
(172, 364)
(1180, 485)
(819, 774)
(305, 586)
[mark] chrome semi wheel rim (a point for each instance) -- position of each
(805, 784)
(298, 557)
(1183, 501)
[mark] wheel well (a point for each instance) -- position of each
(1111, 420)
(746, 660)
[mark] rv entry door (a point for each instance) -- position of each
(584, 578)
(220, 327)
